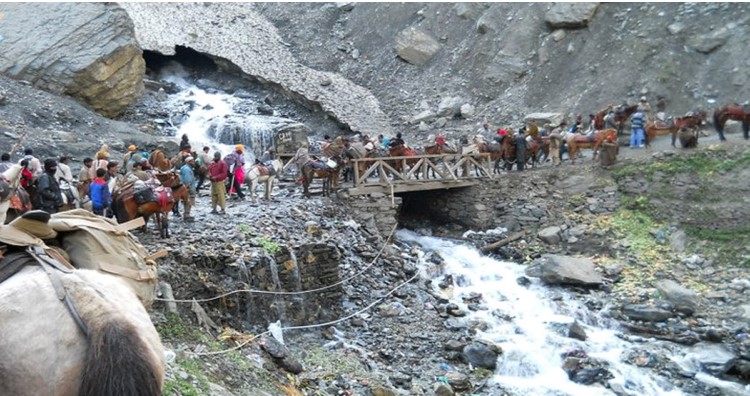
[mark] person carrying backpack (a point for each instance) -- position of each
(50, 197)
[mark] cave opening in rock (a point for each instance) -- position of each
(187, 57)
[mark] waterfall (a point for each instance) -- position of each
(220, 121)
(278, 301)
(299, 300)
(525, 321)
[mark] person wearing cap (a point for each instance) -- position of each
(137, 172)
(49, 195)
(648, 114)
(130, 158)
(637, 122)
(187, 176)
(217, 173)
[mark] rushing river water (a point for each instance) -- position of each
(526, 322)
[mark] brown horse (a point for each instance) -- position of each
(158, 160)
(330, 178)
(533, 149)
(126, 208)
(401, 151)
(576, 142)
(599, 117)
(732, 112)
(622, 115)
(659, 128)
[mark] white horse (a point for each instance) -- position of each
(253, 177)
(46, 353)
(10, 180)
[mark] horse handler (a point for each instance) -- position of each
(188, 179)
(217, 172)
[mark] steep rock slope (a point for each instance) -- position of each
(85, 50)
(507, 60)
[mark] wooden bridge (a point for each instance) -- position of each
(391, 175)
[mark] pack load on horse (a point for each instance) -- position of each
(72, 331)
(692, 120)
(576, 142)
(495, 148)
(732, 111)
(312, 168)
(260, 173)
(143, 199)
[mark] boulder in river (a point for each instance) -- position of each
(565, 270)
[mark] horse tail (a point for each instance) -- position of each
(118, 362)
(717, 120)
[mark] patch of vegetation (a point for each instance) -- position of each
(174, 328)
(729, 245)
(576, 200)
(483, 373)
(195, 384)
(244, 229)
(329, 364)
(703, 163)
(268, 245)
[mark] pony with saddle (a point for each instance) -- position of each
(68, 331)
(143, 199)
(692, 120)
(576, 142)
(334, 162)
(494, 149)
(732, 111)
(533, 150)
(399, 164)
(260, 173)
(158, 160)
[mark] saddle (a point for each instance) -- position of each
(21, 200)
(582, 139)
(658, 124)
(493, 147)
(263, 170)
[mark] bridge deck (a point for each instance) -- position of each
(419, 173)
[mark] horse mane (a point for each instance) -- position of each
(13, 175)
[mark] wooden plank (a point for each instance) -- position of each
(510, 238)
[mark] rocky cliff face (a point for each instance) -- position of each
(85, 50)
(237, 34)
(510, 59)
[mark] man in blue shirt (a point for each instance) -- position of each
(187, 176)
(637, 122)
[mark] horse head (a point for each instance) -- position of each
(13, 175)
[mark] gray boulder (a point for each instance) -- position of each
(467, 111)
(450, 106)
(416, 46)
(707, 43)
(678, 240)
(481, 355)
(85, 50)
(545, 118)
(646, 313)
(564, 270)
(570, 15)
(684, 300)
(550, 235)
(713, 358)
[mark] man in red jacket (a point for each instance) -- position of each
(217, 172)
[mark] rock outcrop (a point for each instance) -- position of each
(416, 46)
(235, 33)
(86, 50)
(570, 15)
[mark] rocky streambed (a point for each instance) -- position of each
(427, 315)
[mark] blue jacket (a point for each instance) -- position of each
(99, 192)
(187, 176)
(637, 120)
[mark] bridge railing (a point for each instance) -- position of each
(421, 168)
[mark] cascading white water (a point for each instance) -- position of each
(216, 120)
(531, 361)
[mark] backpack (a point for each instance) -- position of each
(99, 243)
